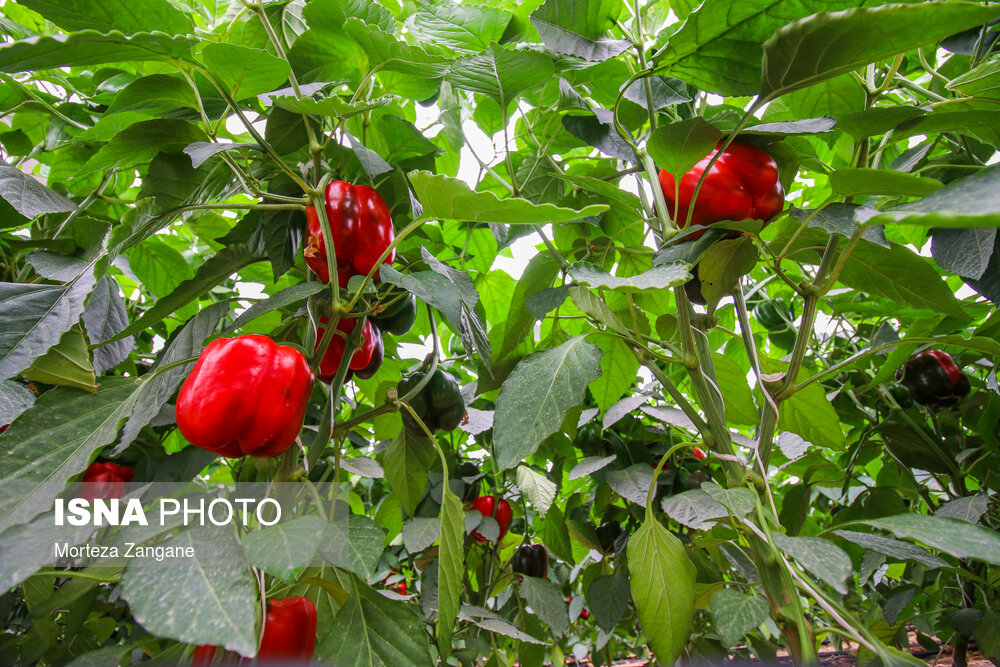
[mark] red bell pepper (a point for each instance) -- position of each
(369, 354)
(361, 229)
(203, 655)
(246, 396)
(106, 480)
(498, 508)
(742, 184)
(289, 632)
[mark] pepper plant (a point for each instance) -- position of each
(633, 283)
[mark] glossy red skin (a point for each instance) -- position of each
(289, 632)
(331, 358)
(203, 655)
(246, 396)
(398, 587)
(105, 480)
(4, 427)
(947, 365)
(698, 454)
(499, 509)
(743, 183)
(361, 229)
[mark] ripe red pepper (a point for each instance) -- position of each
(361, 229)
(399, 587)
(203, 655)
(366, 360)
(289, 632)
(934, 379)
(743, 183)
(246, 396)
(498, 508)
(4, 427)
(108, 480)
(698, 454)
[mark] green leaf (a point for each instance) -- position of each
(981, 81)
(451, 570)
(385, 50)
(662, 580)
(735, 614)
(284, 546)
(738, 501)
(679, 146)
(89, 47)
(656, 279)
(36, 317)
(900, 275)
(156, 91)
(821, 557)
(66, 364)
(501, 73)
(824, 45)
(695, 509)
(547, 602)
(24, 549)
(463, 28)
(723, 265)
(866, 182)
(55, 439)
(131, 17)
(538, 275)
(104, 316)
(332, 106)
(893, 548)
(973, 201)
(159, 267)
(619, 369)
(370, 629)
(420, 532)
(245, 72)
(445, 198)
(809, 414)
(407, 461)
(537, 488)
(608, 597)
(593, 305)
(579, 28)
(286, 297)
(536, 396)
(355, 543)
(740, 408)
(214, 588)
(632, 483)
(952, 536)
(15, 398)
(140, 143)
(219, 267)
(29, 197)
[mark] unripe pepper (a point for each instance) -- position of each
(934, 379)
(439, 404)
(531, 560)
(366, 360)
(361, 229)
(398, 317)
(588, 438)
(499, 509)
(246, 396)
(107, 480)
(607, 534)
(743, 183)
(289, 632)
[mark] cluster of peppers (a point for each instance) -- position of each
(289, 635)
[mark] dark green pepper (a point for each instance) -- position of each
(465, 471)
(770, 316)
(588, 438)
(531, 560)
(901, 395)
(608, 534)
(439, 405)
(398, 315)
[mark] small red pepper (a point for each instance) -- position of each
(361, 229)
(289, 632)
(371, 350)
(4, 427)
(107, 480)
(399, 587)
(698, 454)
(743, 183)
(246, 396)
(499, 509)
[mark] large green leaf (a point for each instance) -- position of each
(973, 201)
(445, 198)
(214, 588)
(579, 28)
(407, 461)
(952, 536)
(66, 364)
(663, 589)
(371, 630)
(128, 17)
(29, 197)
(245, 72)
(824, 45)
(89, 47)
(140, 143)
(656, 279)
(451, 567)
(735, 614)
(536, 396)
(501, 73)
